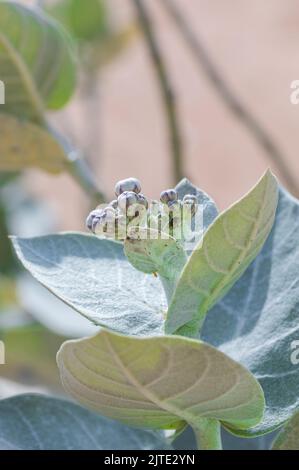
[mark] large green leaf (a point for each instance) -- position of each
(24, 144)
(162, 382)
(36, 422)
(230, 244)
(48, 310)
(258, 320)
(94, 277)
(288, 438)
(36, 61)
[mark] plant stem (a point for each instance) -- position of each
(230, 99)
(208, 434)
(166, 89)
(81, 172)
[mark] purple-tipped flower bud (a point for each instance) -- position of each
(95, 214)
(114, 204)
(127, 199)
(129, 184)
(142, 201)
(168, 196)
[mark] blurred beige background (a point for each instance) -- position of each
(255, 45)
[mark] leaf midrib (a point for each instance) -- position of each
(251, 237)
(145, 392)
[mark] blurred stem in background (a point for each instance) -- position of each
(82, 173)
(166, 89)
(231, 100)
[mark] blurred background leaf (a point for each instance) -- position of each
(37, 62)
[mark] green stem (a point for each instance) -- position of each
(208, 434)
(78, 168)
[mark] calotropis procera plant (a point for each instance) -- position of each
(159, 361)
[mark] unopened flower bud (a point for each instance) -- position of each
(191, 201)
(129, 184)
(114, 204)
(127, 199)
(142, 200)
(94, 215)
(174, 205)
(168, 196)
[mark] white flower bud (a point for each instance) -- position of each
(129, 184)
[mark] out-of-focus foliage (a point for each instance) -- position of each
(85, 19)
(37, 62)
(38, 67)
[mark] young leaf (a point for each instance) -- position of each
(288, 438)
(257, 322)
(159, 382)
(209, 209)
(36, 422)
(228, 247)
(165, 257)
(24, 144)
(36, 61)
(94, 277)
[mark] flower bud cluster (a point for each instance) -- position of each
(131, 208)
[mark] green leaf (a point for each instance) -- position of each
(36, 61)
(159, 382)
(209, 209)
(152, 254)
(36, 422)
(55, 315)
(94, 277)
(166, 256)
(230, 244)
(288, 438)
(257, 322)
(85, 20)
(24, 144)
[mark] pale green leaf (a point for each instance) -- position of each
(230, 244)
(24, 144)
(209, 209)
(257, 322)
(94, 277)
(36, 422)
(36, 61)
(159, 382)
(48, 310)
(150, 253)
(165, 256)
(288, 438)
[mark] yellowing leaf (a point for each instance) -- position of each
(159, 382)
(24, 144)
